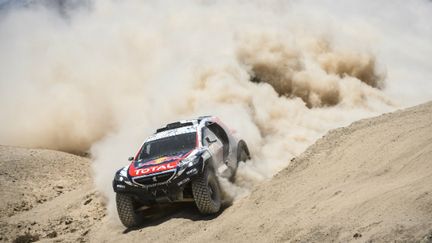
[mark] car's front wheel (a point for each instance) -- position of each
(206, 192)
(127, 210)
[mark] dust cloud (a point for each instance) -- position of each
(279, 73)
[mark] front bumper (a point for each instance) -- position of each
(148, 189)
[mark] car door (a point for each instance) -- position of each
(214, 145)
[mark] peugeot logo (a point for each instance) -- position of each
(154, 179)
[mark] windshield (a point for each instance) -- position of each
(168, 146)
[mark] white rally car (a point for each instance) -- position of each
(179, 163)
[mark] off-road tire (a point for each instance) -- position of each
(126, 208)
(206, 192)
(243, 152)
(242, 155)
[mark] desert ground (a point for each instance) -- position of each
(368, 182)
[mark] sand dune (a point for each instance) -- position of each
(46, 195)
(369, 181)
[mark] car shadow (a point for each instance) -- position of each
(159, 214)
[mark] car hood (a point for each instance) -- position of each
(158, 165)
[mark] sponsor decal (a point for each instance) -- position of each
(183, 181)
(165, 159)
(172, 132)
(154, 169)
(193, 171)
(161, 160)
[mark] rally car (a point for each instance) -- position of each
(180, 162)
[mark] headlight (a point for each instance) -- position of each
(123, 172)
(189, 161)
(118, 177)
(121, 175)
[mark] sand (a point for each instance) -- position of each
(46, 195)
(370, 181)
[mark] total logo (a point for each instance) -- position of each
(155, 169)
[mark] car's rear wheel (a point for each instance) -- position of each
(206, 192)
(127, 210)
(242, 155)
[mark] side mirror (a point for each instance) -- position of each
(131, 158)
(209, 141)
